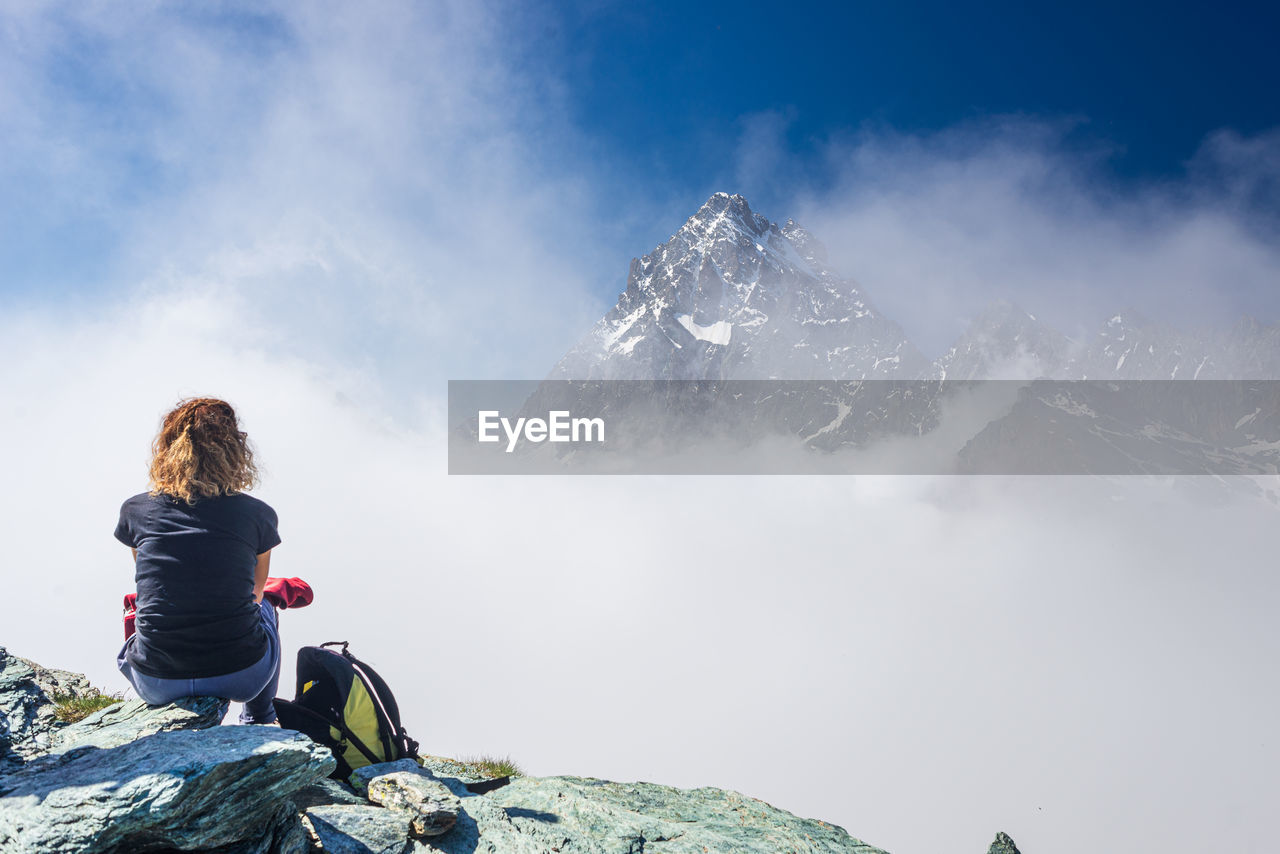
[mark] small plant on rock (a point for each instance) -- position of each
(490, 766)
(487, 767)
(70, 708)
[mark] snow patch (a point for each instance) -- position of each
(893, 360)
(1246, 419)
(628, 345)
(623, 325)
(1073, 407)
(842, 412)
(717, 333)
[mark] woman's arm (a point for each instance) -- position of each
(260, 575)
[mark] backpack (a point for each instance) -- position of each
(343, 704)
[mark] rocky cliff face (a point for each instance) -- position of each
(734, 296)
(134, 778)
(1006, 342)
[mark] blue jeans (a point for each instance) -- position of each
(255, 686)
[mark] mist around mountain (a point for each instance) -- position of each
(733, 295)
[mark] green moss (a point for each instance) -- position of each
(70, 708)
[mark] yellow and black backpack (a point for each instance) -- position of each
(343, 704)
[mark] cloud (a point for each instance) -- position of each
(320, 212)
(1242, 174)
(763, 167)
(1018, 654)
(380, 178)
(937, 225)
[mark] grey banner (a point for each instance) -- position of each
(1151, 427)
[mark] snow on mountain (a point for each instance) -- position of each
(1131, 347)
(1005, 342)
(734, 296)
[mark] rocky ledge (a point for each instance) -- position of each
(137, 778)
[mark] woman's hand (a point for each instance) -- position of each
(260, 575)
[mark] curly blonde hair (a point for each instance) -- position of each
(201, 452)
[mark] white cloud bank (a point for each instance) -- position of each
(937, 225)
(360, 212)
(922, 661)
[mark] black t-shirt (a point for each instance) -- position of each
(196, 614)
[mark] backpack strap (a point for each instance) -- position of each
(408, 746)
(338, 725)
(394, 738)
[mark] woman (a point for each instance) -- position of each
(202, 550)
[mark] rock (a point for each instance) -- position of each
(286, 835)
(359, 829)
(439, 766)
(53, 682)
(599, 817)
(132, 778)
(328, 791)
(1003, 845)
(732, 295)
(133, 719)
(29, 724)
(27, 720)
(361, 776)
(432, 808)
(186, 790)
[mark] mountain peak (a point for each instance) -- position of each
(724, 212)
(722, 201)
(1004, 342)
(732, 295)
(806, 244)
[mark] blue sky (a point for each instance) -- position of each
(657, 97)
(665, 85)
(604, 125)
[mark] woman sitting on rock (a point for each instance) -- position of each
(206, 619)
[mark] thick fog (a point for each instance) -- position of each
(376, 204)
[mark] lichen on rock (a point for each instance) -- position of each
(431, 807)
